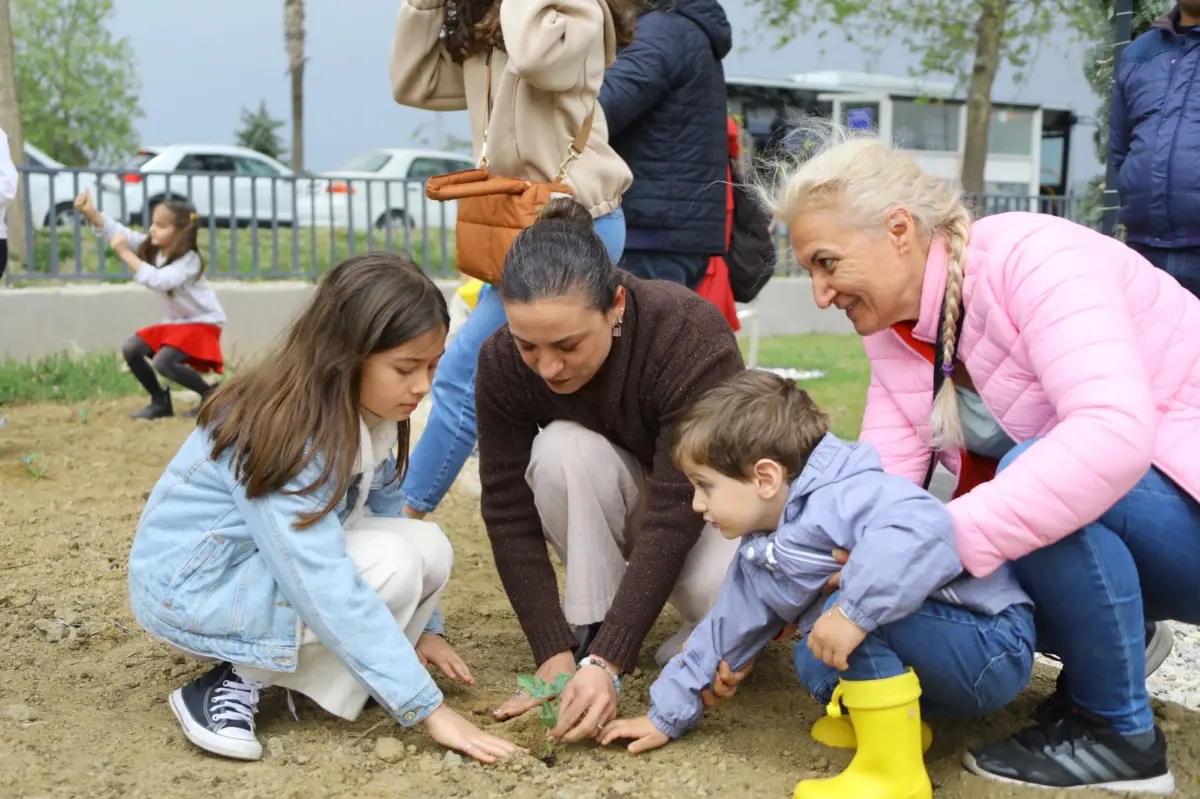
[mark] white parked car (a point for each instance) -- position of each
(227, 184)
(52, 194)
(380, 189)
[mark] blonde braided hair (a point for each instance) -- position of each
(858, 173)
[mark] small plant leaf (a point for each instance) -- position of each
(560, 683)
(549, 715)
(526, 683)
(541, 687)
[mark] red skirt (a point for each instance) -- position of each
(201, 344)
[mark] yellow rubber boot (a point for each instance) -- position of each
(886, 719)
(838, 732)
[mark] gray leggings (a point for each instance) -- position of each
(168, 362)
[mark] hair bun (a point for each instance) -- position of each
(569, 211)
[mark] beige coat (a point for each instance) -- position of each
(542, 89)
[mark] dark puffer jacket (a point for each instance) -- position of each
(1154, 136)
(664, 99)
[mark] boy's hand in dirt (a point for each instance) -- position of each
(835, 580)
(562, 663)
(433, 648)
(454, 732)
(641, 730)
(834, 637)
(588, 703)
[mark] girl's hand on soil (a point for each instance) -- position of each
(588, 703)
(562, 663)
(725, 684)
(433, 648)
(641, 730)
(835, 580)
(454, 732)
(834, 637)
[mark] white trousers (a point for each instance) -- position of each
(408, 563)
(590, 495)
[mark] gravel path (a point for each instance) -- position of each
(1178, 679)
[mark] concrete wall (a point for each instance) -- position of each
(35, 322)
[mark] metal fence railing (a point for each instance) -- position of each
(271, 227)
(251, 226)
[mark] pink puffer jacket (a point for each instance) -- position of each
(1068, 335)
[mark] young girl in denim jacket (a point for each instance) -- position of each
(908, 633)
(274, 545)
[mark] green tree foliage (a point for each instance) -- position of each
(968, 40)
(77, 82)
(260, 132)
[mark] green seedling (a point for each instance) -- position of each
(84, 413)
(29, 461)
(537, 688)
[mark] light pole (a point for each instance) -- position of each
(1122, 31)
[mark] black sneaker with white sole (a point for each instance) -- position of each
(217, 713)
(1076, 750)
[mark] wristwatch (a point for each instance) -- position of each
(591, 661)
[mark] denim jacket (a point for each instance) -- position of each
(902, 552)
(219, 575)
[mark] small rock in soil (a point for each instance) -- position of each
(411, 749)
(275, 747)
(20, 713)
(452, 760)
(389, 750)
(302, 760)
(53, 630)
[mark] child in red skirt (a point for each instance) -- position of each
(167, 260)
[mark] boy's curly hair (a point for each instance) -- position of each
(752, 416)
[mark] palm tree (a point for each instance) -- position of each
(293, 18)
(10, 122)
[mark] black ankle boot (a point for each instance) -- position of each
(159, 408)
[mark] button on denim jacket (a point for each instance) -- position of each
(222, 576)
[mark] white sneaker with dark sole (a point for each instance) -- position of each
(217, 711)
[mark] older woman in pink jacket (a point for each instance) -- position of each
(1056, 374)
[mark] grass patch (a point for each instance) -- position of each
(59, 378)
(842, 393)
(244, 252)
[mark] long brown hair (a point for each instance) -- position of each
(302, 401)
(473, 26)
(187, 228)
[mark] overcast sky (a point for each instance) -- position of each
(201, 63)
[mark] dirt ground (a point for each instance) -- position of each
(83, 690)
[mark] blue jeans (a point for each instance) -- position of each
(449, 435)
(1183, 263)
(1095, 589)
(686, 269)
(968, 664)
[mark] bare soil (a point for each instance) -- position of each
(83, 689)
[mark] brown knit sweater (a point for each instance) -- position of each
(673, 346)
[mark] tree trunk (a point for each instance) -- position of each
(293, 12)
(10, 122)
(990, 31)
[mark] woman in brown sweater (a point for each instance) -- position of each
(576, 401)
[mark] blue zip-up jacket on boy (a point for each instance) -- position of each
(902, 552)
(223, 576)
